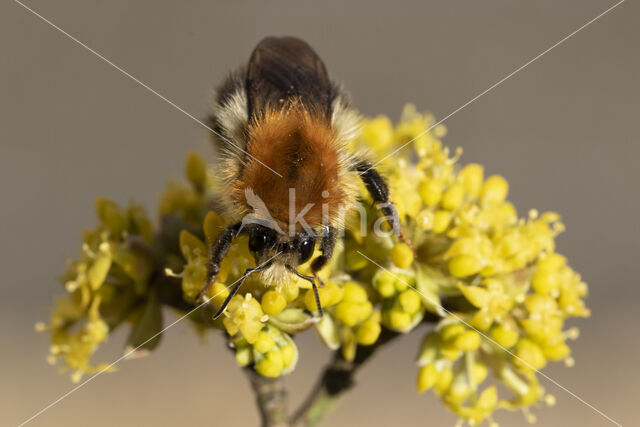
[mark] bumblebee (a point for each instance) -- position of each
(281, 128)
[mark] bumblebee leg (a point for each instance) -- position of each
(327, 246)
(236, 286)
(317, 297)
(379, 191)
(219, 250)
(310, 279)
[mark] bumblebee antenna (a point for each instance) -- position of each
(237, 284)
(313, 283)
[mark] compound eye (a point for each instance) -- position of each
(260, 239)
(306, 249)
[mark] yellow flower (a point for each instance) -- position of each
(329, 295)
(367, 332)
(378, 134)
(529, 355)
(453, 197)
(504, 335)
(272, 365)
(244, 315)
(273, 302)
(471, 177)
(401, 255)
(427, 377)
(264, 342)
(441, 220)
(354, 306)
(495, 190)
(431, 192)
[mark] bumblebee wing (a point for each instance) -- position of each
(282, 69)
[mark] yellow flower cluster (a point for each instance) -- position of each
(109, 276)
(351, 320)
(272, 352)
(402, 307)
(509, 292)
(491, 282)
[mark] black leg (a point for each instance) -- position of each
(218, 251)
(313, 284)
(327, 246)
(379, 191)
(236, 286)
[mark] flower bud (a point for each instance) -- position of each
(478, 296)
(387, 289)
(428, 349)
(401, 284)
(488, 399)
(441, 220)
(288, 354)
(431, 192)
(542, 304)
(410, 301)
(504, 335)
(354, 292)
(218, 293)
(471, 178)
(545, 281)
(401, 255)
(424, 219)
(552, 262)
(445, 377)
(273, 302)
(453, 197)
(427, 377)
(384, 282)
(329, 295)
(557, 352)
(99, 269)
(450, 332)
(450, 352)
(459, 390)
(495, 190)
(479, 372)
(264, 342)
(481, 320)
(529, 355)
(368, 332)
(271, 366)
(348, 312)
(465, 265)
(290, 291)
(378, 132)
(398, 319)
(467, 341)
(244, 356)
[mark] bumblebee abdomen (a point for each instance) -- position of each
(282, 70)
(285, 125)
(304, 151)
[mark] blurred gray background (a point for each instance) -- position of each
(564, 132)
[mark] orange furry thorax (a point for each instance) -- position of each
(303, 148)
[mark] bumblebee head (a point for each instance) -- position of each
(266, 242)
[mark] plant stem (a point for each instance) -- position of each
(337, 378)
(271, 398)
